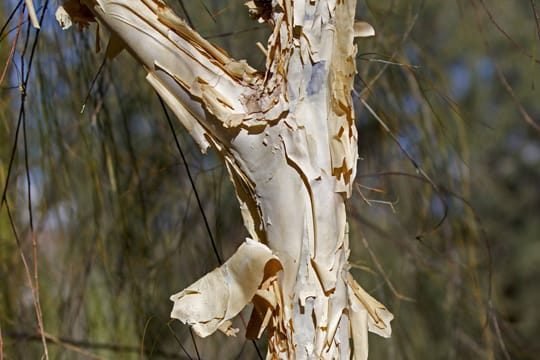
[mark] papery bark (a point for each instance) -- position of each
(289, 142)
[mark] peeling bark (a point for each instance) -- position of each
(289, 142)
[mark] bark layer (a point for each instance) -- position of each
(289, 142)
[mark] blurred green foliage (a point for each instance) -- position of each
(118, 228)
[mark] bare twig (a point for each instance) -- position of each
(194, 343)
(524, 114)
(1, 346)
(536, 18)
(186, 14)
(516, 44)
(405, 36)
(143, 337)
(177, 339)
(380, 268)
(27, 274)
(192, 182)
(500, 74)
(13, 12)
(96, 77)
(79, 346)
(208, 11)
(416, 165)
(484, 236)
(33, 279)
(12, 50)
(72, 347)
(495, 322)
(236, 32)
(370, 202)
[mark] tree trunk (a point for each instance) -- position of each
(288, 139)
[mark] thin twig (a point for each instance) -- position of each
(502, 78)
(188, 18)
(413, 162)
(26, 76)
(72, 347)
(10, 17)
(477, 220)
(26, 268)
(192, 182)
(380, 268)
(516, 44)
(194, 343)
(1, 345)
(98, 73)
(12, 50)
(495, 322)
(370, 202)
(504, 81)
(536, 18)
(144, 336)
(236, 32)
(208, 11)
(405, 36)
(11, 162)
(177, 339)
(80, 345)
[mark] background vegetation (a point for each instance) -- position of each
(445, 225)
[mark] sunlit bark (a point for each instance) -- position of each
(288, 139)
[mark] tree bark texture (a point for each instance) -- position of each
(289, 141)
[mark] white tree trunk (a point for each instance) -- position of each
(289, 142)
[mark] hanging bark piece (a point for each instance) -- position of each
(209, 303)
(289, 141)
